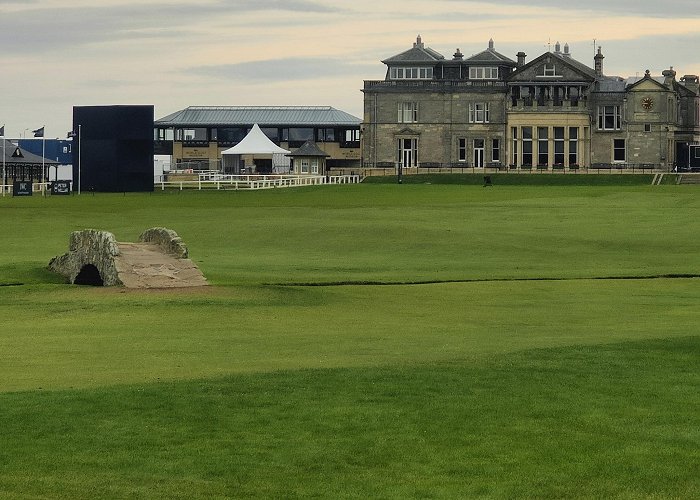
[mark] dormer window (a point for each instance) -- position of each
(483, 73)
(549, 70)
(417, 73)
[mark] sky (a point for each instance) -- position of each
(56, 54)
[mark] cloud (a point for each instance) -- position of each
(41, 29)
(283, 5)
(664, 50)
(659, 52)
(47, 30)
(675, 9)
(175, 53)
(282, 70)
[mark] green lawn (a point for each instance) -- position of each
(481, 379)
(380, 233)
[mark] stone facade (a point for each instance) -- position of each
(551, 113)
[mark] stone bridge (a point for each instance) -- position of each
(158, 260)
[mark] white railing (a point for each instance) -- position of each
(255, 182)
(220, 181)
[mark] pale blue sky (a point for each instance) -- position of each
(174, 53)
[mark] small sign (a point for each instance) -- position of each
(195, 153)
(22, 188)
(60, 188)
(17, 153)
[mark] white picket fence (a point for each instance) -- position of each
(253, 182)
(210, 180)
(37, 187)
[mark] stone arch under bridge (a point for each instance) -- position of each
(158, 260)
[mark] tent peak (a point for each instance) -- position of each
(256, 142)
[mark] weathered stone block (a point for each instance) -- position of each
(167, 239)
(89, 247)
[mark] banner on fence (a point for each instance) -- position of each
(22, 188)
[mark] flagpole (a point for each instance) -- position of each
(80, 151)
(3, 161)
(43, 157)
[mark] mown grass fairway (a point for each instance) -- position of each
(439, 363)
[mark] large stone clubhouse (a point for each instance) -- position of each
(551, 113)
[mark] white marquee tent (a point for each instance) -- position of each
(254, 144)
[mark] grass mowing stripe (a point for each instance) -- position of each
(379, 232)
(618, 420)
(57, 336)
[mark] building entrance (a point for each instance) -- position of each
(479, 153)
(408, 152)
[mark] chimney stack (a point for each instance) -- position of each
(521, 58)
(457, 56)
(566, 50)
(419, 42)
(557, 48)
(691, 82)
(669, 76)
(599, 63)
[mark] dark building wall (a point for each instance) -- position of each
(114, 148)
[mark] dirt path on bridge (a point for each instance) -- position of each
(145, 265)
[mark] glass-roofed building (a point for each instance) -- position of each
(195, 137)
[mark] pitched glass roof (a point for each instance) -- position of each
(262, 115)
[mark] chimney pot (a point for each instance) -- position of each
(599, 62)
(669, 75)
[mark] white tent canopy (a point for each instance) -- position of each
(256, 143)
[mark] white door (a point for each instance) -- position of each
(407, 153)
(479, 153)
